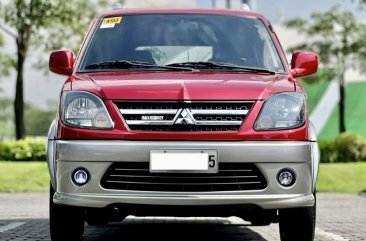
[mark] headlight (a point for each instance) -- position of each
(85, 110)
(282, 111)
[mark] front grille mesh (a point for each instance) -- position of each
(182, 116)
(157, 128)
(137, 177)
(220, 117)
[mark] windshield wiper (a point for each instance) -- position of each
(124, 64)
(221, 65)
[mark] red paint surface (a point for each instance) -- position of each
(304, 63)
(61, 62)
(178, 85)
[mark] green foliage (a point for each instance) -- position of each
(37, 122)
(350, 147)
(337, 36)
(6, 109)
(6, 61)
(28, 149)
(55, 23)
(346, 147)
(6, 119)
(328, 152)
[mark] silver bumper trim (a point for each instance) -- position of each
(275, 201)
(269, 156)
(228, 151)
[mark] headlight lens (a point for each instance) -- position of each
(85, 110)
(282, 111)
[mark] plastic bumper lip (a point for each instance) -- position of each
(274, 201)
(269, 156)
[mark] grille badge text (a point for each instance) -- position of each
(152, 117)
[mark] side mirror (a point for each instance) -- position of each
(61, 62)
(304, 63)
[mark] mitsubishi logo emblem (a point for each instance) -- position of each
(184, 117)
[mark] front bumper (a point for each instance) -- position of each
(269, 156)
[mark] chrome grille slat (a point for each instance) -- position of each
(194, 116)
(176, 177)
(141, 122)
(137, 177)
(190, 184)
(218, 123)
(219, 112)
(148, 111)
(192, 128)
(198, 123)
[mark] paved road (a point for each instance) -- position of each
(24, 217)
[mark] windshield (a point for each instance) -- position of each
(168, 39)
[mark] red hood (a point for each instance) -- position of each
(182, 85)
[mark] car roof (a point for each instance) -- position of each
(184, 11)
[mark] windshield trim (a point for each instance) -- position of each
(284, 67)
(100, 19)
(200, 71)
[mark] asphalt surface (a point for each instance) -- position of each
(341, 217)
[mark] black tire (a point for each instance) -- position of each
(66, 222)
(297, 224)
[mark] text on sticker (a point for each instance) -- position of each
(115, 20)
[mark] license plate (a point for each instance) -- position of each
(184, 161)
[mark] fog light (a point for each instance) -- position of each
(286, 177)
(80, 176)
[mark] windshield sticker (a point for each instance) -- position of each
(110, 22)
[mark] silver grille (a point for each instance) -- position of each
(184, 116)
(136, 176)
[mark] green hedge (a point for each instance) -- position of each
(346, 147)
(29, 149)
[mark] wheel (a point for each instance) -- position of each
(66, 222)
(297, 224)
